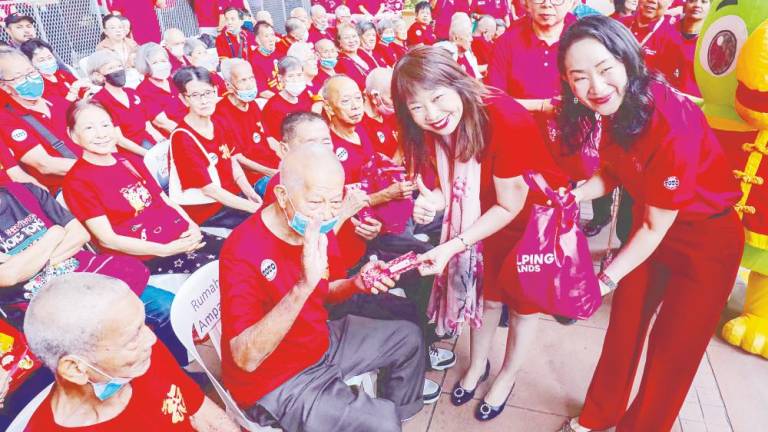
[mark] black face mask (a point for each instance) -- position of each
(116, 78)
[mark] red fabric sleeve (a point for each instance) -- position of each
(670, 175)
(191, 163)
(6, 158)
(242, 291)
(17, 135)
(81, 198)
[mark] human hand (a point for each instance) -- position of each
(372, 278)
(314, 256)
(434, 261)
(354, 201)
(400, 190)
(426, 206)
(368, 230)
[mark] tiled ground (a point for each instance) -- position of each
(730, 392)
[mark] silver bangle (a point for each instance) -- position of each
(464, 242)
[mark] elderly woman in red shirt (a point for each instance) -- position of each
(161, 98)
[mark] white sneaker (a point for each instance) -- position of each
(440, 358)
(431, 391)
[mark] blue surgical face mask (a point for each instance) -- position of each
(265, 51)
(299, 222)
(329, 63)
(31, 88)
(387, 39)
(48, 67)
(247, 95)
(105, 390)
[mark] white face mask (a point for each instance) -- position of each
(177, 50)
(295, 88)
(161, 70)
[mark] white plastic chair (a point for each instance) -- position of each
(156, 161)
(198, 302)
(22, 419)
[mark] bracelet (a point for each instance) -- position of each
(606, 280)
(464, 242)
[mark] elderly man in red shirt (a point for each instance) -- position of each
(111, 374)
(320, 28)
(265, 58)
(656, 33)
(284, 362)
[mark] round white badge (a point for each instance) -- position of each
(342, 154)
(672, 183)
(136, 100)
(269, 269)
(256, 137)
(381, 136)
(213, 157)
(19, 135)
(418, 32)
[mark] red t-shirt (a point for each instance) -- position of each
(156, 100)
(121, 192)
(373, 58)
(386, 53)
(277, 109)
(420, 33)
(383, 135)
(242, 45)
(351, 155)
(398, 50)
(7, 160)
(192, 164)
(21, 138)
(372, 6)
(443, 13)
(64, 80)
(676, 163)
(163, 399)
(316, 35)
(247, 126)
(265, 70)
(680, 63)
(253, 281)
(496, 8)
(207, 12)
(176, 63)
(353, 69)
(141, 13)
(523, 65)
(482, 49)
(132, 119)
(660, 40)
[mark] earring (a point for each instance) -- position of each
(575, 101)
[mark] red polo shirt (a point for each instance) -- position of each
(132, 119)
(253, 281)
(351, 68)
(398, 50)
(64, 80)
(265, 70)
(207, 12)
(141, 13)
(21, 138)
(660, 40)
(192, 164)
(321, 77)
(176, 64)
(163, 399)
(241, 45)
(316, 35)
(7, 161)
(680, 63)
(277, 109)
(443, 13)
(351, 155)
(386, 53)
(482, 49)
(383, 135)
(495, 8)
(247, 126)
(373, 58)
(523, 65)
(676, 163)
(156, 100)
(420, 33)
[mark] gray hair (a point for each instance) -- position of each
(378, 78)
(7, 52)
(171, 30)
(147, 52)
(67, 316)
(301, 50)
(342, 8)
(486, 19)
(385, 24)
(293, 24)
(461, 24)
(228, 64)
(364, 26)
(191, 44)
(288, 63)
(294, 11)
(316, 9)
(100, 58)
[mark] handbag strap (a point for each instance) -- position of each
(194, 138)
(43, 131)
(28, 200)
(536, 180)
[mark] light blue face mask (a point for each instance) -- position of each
(265, 51)
(329, 63)
(48, 67)
(105, 390)
(299, 222)
(247, 95)
(387, 39)
(31, 88)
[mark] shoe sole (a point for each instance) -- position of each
(431, 399)
(444, 366)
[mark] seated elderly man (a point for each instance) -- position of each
(460, 33)
(283, 361)
(319, 28)
(173, 40)
(111, 375)
(482, 42)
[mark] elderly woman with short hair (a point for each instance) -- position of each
(160, 96)
(197, 54)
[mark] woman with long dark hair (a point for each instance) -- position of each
(656, 144)
(482, 142)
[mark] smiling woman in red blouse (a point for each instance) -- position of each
(656, 144)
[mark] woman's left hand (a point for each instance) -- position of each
(434, 261)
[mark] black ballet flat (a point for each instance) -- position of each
(488, 412)
(460, 395)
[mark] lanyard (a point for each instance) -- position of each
(653, 31)
(232, 48)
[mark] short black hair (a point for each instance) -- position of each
(240, 13)
(188, 74)
(422, 5)
(294, 121)
(260, 25)
(29, 47)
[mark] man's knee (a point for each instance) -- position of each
(411, 337)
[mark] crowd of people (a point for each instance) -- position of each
(302, 162)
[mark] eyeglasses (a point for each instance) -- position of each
(553, 2)
(29, 75)
(201, 96)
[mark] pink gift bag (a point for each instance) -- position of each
(552, 259)
(379, 173)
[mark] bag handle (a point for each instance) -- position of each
(194, 138)
(537, 181)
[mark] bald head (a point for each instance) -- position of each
(338, 85)
(324, 45)
(301, 14)
(172, 35)
(311, 169)
(379, 80)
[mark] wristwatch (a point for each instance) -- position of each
(607, 281)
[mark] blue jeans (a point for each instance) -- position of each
(157, 307)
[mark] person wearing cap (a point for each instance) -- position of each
(21, 28)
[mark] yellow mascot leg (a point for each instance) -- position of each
(750, 330)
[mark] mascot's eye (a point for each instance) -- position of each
(721, 44)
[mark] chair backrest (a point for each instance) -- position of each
(21, 420)
(198, 306)
(156, 161)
